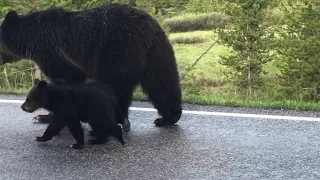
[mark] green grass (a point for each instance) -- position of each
(14, 91)
(192, 37)
(213, 98)
(208, 67)
(208, 79)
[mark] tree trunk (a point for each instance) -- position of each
(249, 94)
(37, 71)
(6, 77)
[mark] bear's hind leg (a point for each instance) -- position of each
(116, 132)
(162, 84)
(100, 135)
(165, 101)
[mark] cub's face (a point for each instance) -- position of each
(36, 97)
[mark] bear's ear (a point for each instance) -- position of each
(36, 81)
(42, 84)
(12, 17)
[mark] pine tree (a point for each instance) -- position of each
(299, 47)
(249, 40)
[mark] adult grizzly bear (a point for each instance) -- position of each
(115, 44)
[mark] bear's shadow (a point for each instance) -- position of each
(147, 137)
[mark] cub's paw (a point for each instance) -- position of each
(163, 122)
(126, 126)
(42, 119)
(36, 119)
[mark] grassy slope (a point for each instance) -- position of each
(209, 80)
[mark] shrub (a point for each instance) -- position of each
(192, 37)
(187, 40)
(193, 22)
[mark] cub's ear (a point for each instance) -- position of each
(12, 17)
(36, 81)
(58, 82)
(42, 84)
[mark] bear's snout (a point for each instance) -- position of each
(27, 108)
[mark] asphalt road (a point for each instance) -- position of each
(198, 147)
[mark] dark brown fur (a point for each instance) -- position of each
(89, 102)
(115, 44)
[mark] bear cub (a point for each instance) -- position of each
(87, 102)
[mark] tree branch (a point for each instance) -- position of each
(198, 59)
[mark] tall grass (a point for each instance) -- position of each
(193, 37)
(193, 22)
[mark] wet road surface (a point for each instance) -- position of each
(199, 147)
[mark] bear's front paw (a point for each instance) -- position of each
(42, 119)
(76, 146)
(163, 122)
(42, 139)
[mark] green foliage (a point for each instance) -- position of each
(299, 47)
(193, 22)
(206, 6)
(194, 37)
(16, 76)
(163, 7)
(249, 39)
(187, 40)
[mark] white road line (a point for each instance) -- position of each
(207, 113)
(11, 101)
